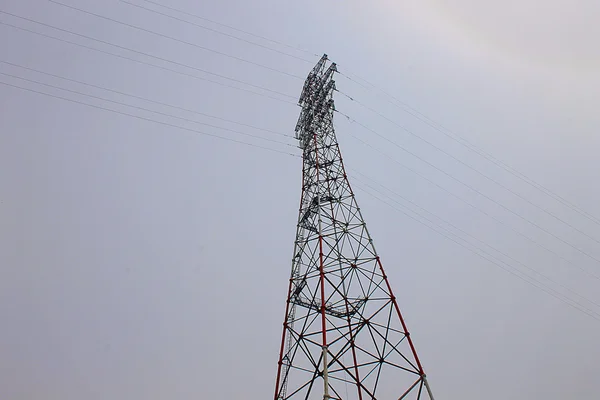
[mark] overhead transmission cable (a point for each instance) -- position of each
(490, 255)
(229, 27)
(146, 99)
(481, 193)
(179, 40)
(470, 204)
(125, 104)
(209, 29)
(78, 44)
(148, 119)
(467, 234)
(418, 115)
(582, 309)
(422, 117)
(467, 165)
(149, 55)
(486, 256)
(144, 62)
(288, 154)
(145, 109)
(470, 146)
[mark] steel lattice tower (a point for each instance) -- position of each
(343, 334)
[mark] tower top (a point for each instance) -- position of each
(316, 99)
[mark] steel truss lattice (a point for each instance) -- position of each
(343, 334)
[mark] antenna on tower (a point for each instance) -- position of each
(343, 334)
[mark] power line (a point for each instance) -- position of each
(456, 137)
(506, 188)
(474, 207)
(468, 166)
(583, 309)
(151, 56)
(179, 40)
(209, 29)
(232, 28)
(478, 192)
(275, 150)
(490, 258)
(458, 160)
(142, 62)
(158, 103)
(149, 119)
(471, 236)
(145, 109)
(42, 72)
(145, 99)
(496, 258)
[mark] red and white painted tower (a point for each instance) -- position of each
(343, 334)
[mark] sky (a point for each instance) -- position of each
(143, 258)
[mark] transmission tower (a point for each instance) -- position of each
(343, 334)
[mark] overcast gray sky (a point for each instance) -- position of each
(143, 261)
